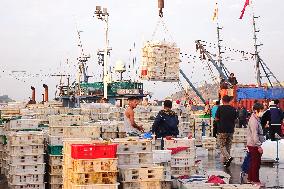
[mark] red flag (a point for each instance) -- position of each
(244, 9)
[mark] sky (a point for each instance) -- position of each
(38, 36)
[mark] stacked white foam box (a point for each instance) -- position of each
(161, 61)
(183, 161)
(25, 160)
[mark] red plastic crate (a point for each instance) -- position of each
(93, 151)
(82, 151)
(105, 151)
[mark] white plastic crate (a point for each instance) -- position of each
(26, 150)
(153, 173)
(160, 156)
(27, 169)
(56, 131)
(23, 179)
(55, 179)
(55, 160)
(55, 169)
(135, 159)
(82, 132)
(109, 127)
(129, 145)
(179, 142)
(28, 186)
(25, 159)
(18, 124)
(26, 138)
(56, 186)
(55, 140)
(182, 162)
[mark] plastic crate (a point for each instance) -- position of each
(55, 179)
(25, 159)
(135, 159)
(27, 169)
(55, 160)
(154, 173)
(94, 165)
(27, 186)
(55, 169)
(94, 186)
(160, 156)
(26, 179)
(55, 140)
(90, 151)
(55, 186)
(54, 150)
(93, 178)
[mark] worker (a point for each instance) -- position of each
(166, 122)
(226, 116)
(276, 119)
(213, 115)
(254, 140)
(131, 127)
(242, 115)
(232, 79)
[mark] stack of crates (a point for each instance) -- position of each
(238, 149)
(183, 159)
(2, 143)
(202, 128)
(25, 159)
(160, 61)
(90, 165)
(209, 143)
(164, 158)
(135, 163)
(109, 129)
(60, 127)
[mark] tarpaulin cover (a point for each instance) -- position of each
(260, 93)
(251, 93)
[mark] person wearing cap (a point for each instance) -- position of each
(131, 127)
(255, 138)
(226, 116)
(276, 119)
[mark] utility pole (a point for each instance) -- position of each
(103, 15)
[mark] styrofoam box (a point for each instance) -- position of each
(26, 179)
(161, 156)
(25, 159)
(26, 150)
(55, 140)
(27, 169)
(28, 186)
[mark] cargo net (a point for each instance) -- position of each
(160, 58)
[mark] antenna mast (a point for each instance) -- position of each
(103, 15)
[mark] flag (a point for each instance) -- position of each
(244, 9)
(215, 14)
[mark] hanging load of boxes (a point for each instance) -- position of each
(160, 61)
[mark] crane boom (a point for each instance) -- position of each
(192, 86)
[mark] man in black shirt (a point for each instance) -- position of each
(226, 115)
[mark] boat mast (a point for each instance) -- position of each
(256, 53)
(103, 15)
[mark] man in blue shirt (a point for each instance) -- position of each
(213, 115)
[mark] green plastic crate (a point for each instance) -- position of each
(55, 150)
